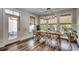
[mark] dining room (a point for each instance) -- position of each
(39, 29)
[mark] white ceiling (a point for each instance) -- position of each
(42, 11)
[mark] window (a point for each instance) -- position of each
(51, 24)
(32, 24)
(7, 11)
(43, 24)
(42, 21)
(65, 20)
(32, 20)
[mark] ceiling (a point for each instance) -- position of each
(44, 11)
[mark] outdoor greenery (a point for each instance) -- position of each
(51, 27)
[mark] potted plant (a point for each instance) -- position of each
(38, 27)
(71, 33)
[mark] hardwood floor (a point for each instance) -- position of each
(32, 45)
(20, 46)
(23, 46)
(43, 47)
(29, 45)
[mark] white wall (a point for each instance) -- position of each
(24, 27)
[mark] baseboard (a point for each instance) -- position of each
(20, 41)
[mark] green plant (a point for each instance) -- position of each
(70, 32)
(38, 27)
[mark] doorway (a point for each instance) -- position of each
(13, 27)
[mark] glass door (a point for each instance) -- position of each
(12, 27)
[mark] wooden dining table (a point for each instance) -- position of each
(48, 34)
